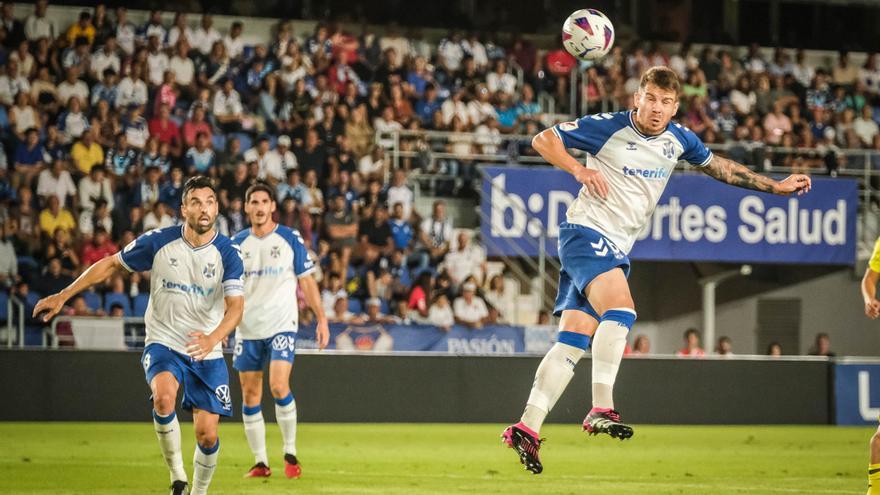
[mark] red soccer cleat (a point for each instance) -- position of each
(259, 470)
(292, 468)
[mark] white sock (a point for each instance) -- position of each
(168, 432)
(285, 415)
(609, 343)
(204, 464)
(553, 375)
(255, 431)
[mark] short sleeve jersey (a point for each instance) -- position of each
(874, 262)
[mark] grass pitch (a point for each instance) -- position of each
(124, 458)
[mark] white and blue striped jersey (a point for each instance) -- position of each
(187, 284)
(272, 265)
(636, 167)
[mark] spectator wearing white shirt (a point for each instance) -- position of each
(469, 309)
(11, 83)
(227, 108)
(393, 39)
(153, 27)
(865, 127)
(90, 220)
(500, 79)
(385, 124)
(500, 298)
(184, 69)
(435, 233)
(125, 31)
(56, 181)
(332, 292)
(179, 31)
(450, 53)
(136, 129)
(132, 90)
(480, 108)
(105, 58)
(93, 187)
(24, 58)
(205, 35)
(233, 41)
(802, 71)
(72, 123)
(285, 155)
(465, 261)
(157, 61)
(268, 160)
(473, 47)
(440, 313)
(158, 217)
(37, 25)
(455, 107)
(72, 86)
(374, 165)
(399, 192)
(869, 75)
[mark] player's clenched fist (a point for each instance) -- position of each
(51, 305)
(797, 183)
(872, 309)
(593, 180)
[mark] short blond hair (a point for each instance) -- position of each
(662, 77)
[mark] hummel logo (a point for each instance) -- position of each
(173, 262)
(600, 248)
(630, 146)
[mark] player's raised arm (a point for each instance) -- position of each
(313, 298)
(552, 149)
(95, 274)
(731, 172)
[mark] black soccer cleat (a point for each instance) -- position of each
(179, 488)
(606, 421)
(526, 443)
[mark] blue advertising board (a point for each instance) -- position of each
(857, 393)
(697, 219)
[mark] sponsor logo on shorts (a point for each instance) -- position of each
(222, 394)
(283, 344)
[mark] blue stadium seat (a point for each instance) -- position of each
(355, 306)
(383, 307)
(115, 298)
(93, 300)
(219, 142)
(140, 305)
(31, 300)
(33, 335)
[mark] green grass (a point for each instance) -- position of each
(123, 458)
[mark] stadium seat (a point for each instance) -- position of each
(93, 300)
(219, 142)
(355, 306)
(383, 307)
(31, 300)
(4, 306)
(33, 335)
(140, 305)
(115, 298)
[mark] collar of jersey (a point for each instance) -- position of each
(643, 136)
(200, 247)
(265, 236)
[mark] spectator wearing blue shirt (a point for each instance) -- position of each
(121, 158)
(200, 157)
(401, 230)
(293, 188)
(171, 193)
(428, 105)
(28, 161)
(106, 90)
(420, 77)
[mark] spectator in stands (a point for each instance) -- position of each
(103, 60)
(28, 161)
(724, 347)
(158, 218)
(399, 192)
(147, 190)
(341, 314)
(11, 83)
(641, 346)
(500, 298)
(401, 229)
(465, 260)
(269, 162)
(86, 153)
(136, 129)
(440, 313)
(56, 181)
(99, 247)
(194, 126)
(52, 280)
(205, 35)
(120, 159)
(342, 228)
(8, 258)
(470, 310)
(22, 116)
(72, 123)
(375, 233)
(156, 155)
(37, 25)
(691, 345)
(332, 291)
(374, 313)
(865, 127)
(93, 187)
(200, 158)
(436, 232)
(774, 349)
(92, 219)
(44, 92)
(822, 346)
(165, 130)
(234, 42)
(420, 297)
(132, 90)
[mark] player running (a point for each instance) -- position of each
(275, 261)
(872, 311)
(631, 155)
(196, 300)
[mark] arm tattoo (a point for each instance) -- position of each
(733, 173)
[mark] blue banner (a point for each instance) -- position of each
(857, 393)
(697, 219)
(499, 339)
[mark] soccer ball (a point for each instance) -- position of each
(588, 34)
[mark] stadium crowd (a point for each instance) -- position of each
(102, 121)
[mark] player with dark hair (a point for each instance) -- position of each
(196, 300)
(276, 262)
(631, 156)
